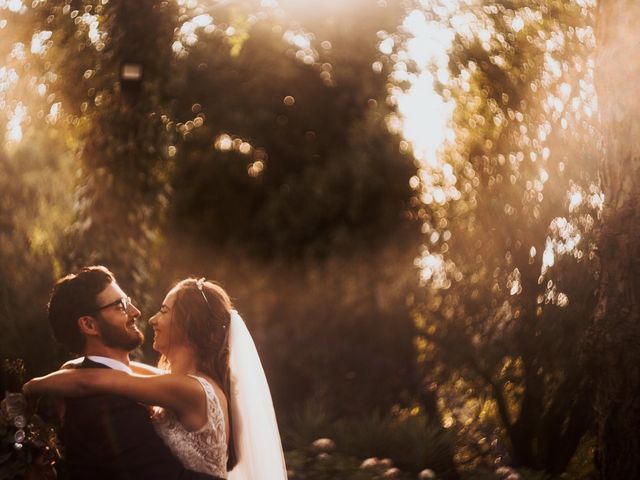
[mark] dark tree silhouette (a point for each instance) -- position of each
(615, 343)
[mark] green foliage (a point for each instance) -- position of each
(525, 474)
(411, 442)
(121, 138)
(29, 446)
(333, 179)
(582, 466)
(322, 224)
(145, 170)
(36, 184)
(408, 439)
(307, 465)
(508, 258)
(33, 212)
(269, 167)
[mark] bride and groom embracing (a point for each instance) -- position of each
(207, 414)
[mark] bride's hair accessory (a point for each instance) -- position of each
(200, 285)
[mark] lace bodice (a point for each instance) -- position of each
(203, 450)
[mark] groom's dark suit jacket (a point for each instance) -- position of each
(108, 437)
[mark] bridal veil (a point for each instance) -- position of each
(255, 430)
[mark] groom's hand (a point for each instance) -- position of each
(34, 400)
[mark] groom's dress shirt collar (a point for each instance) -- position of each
(110, 362)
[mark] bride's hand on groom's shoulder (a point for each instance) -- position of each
(32, 389)
(27, 390)
(33, 400)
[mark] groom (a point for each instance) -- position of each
(106, 437)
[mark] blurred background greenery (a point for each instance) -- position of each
(400, 196)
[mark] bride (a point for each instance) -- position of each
(213, 409)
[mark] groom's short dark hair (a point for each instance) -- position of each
(72, 297)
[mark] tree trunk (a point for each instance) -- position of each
(614, 345)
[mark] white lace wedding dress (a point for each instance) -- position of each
(203, 450)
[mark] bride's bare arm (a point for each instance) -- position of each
(136, 367)
(180, 393)
(144, 369)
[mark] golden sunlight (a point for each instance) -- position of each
(425, 116)
(12, 5)
(14, 125)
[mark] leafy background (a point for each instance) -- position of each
(423, 305)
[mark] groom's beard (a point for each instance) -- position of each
(127, 338)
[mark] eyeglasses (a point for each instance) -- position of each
(123, 303)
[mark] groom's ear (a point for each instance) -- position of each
(88, 325)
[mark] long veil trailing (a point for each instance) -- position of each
(255, 429)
